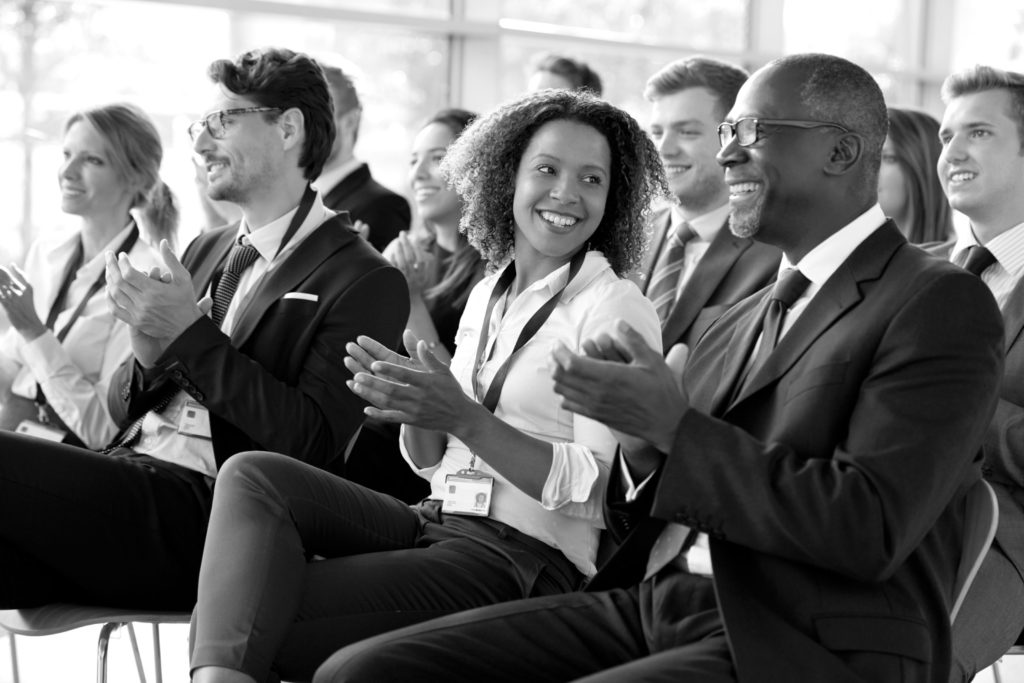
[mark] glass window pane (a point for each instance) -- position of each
(988, 32)
(710, 24)
(427, 8)
(878, 34)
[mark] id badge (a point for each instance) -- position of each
(467, 493)
(194, 420)
(40, 431)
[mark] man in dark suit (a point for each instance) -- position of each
(981, 169)
(378, 213)
(796, 508)
(695, 268)
(289, 286)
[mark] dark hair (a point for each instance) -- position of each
(483, 163)
(838, 91)
(980, 78)
(915, 136)
(465, 266)
(343, 92)
(135, 150)
(576, 72)
(278, 77)
(721, 78)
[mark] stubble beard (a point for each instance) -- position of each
(747, 224)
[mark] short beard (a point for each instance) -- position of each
(745, 227)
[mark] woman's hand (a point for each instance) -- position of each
(418, 391)
(16, 297)
(415, 263)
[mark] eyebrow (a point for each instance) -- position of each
(545, 155)
(681, 122)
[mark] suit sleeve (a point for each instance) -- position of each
(915, 415)
(312, 418)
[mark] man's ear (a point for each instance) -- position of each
(845, 153)
(293, 126)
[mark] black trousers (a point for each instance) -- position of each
(602, 637)
(124, 530)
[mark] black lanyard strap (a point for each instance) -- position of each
(490, 400)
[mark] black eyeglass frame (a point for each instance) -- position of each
(727, 132)
(217, 132)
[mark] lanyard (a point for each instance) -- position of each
(490, 399)
(69, 277)
(305, 204)
(74, 263)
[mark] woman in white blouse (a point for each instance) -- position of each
(298, 563)
(63, 344)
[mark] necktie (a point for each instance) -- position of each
(790, 285)
(241, 257)
(665, 282)
(978, 259)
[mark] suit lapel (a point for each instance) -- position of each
(724, 250)
(737, 351)
(208, 267)
(659, 226)
(314, 250)
(1013, 314)
(348, 185)
(839, 294)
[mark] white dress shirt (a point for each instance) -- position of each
(1003, 275)
(75, 374)
(569, 514)
(159, 436)
(705, 228)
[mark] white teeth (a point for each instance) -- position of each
(672, 170)
(742, 188)
(558, 219)
(962, 176)
(215, 166)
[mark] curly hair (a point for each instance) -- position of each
(483, 162)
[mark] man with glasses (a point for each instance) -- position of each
(237, 347)
(695, 268)
(823, 435)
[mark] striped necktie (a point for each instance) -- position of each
(665, 281)
(978, 259)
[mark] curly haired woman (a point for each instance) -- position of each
(299, 563)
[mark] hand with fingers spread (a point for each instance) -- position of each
(419, 390)
(16, 297)
(414, 262)
(624, 384)
(157, 306)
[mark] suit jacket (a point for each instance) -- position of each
(731, 269)
(1004, 441)
(278, 382)
(832, 484)
(386, 212)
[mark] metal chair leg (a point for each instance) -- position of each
(14, 659)
(159, 676)
(135, 651)
(101, 651)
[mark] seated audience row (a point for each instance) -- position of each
(778, 414)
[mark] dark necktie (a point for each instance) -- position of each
(241, 257)
(978, 259)
(665, 281)
(790, 285)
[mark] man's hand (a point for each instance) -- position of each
(626, 385)
(157, 306)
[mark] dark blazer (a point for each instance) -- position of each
(278, 382)
(386, 212)
(731, 269)
(1004, 441)
(832, 485)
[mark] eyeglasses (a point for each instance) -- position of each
(748, 131)
(217, 122)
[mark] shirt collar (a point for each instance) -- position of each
(822, 261)
(268, 238)
(330, 177)
(705, 226)
(1007, 247)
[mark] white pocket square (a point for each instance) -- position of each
(302, 296)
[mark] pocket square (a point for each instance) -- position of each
(302, 296)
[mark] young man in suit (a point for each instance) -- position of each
(345, 181)
(695, 268)
(286, 289)
(981, 169)
(829, 470)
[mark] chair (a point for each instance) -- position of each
(58, 618)
(981, 517)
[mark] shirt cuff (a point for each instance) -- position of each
(571, 478)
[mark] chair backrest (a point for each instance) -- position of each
(981, 518)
